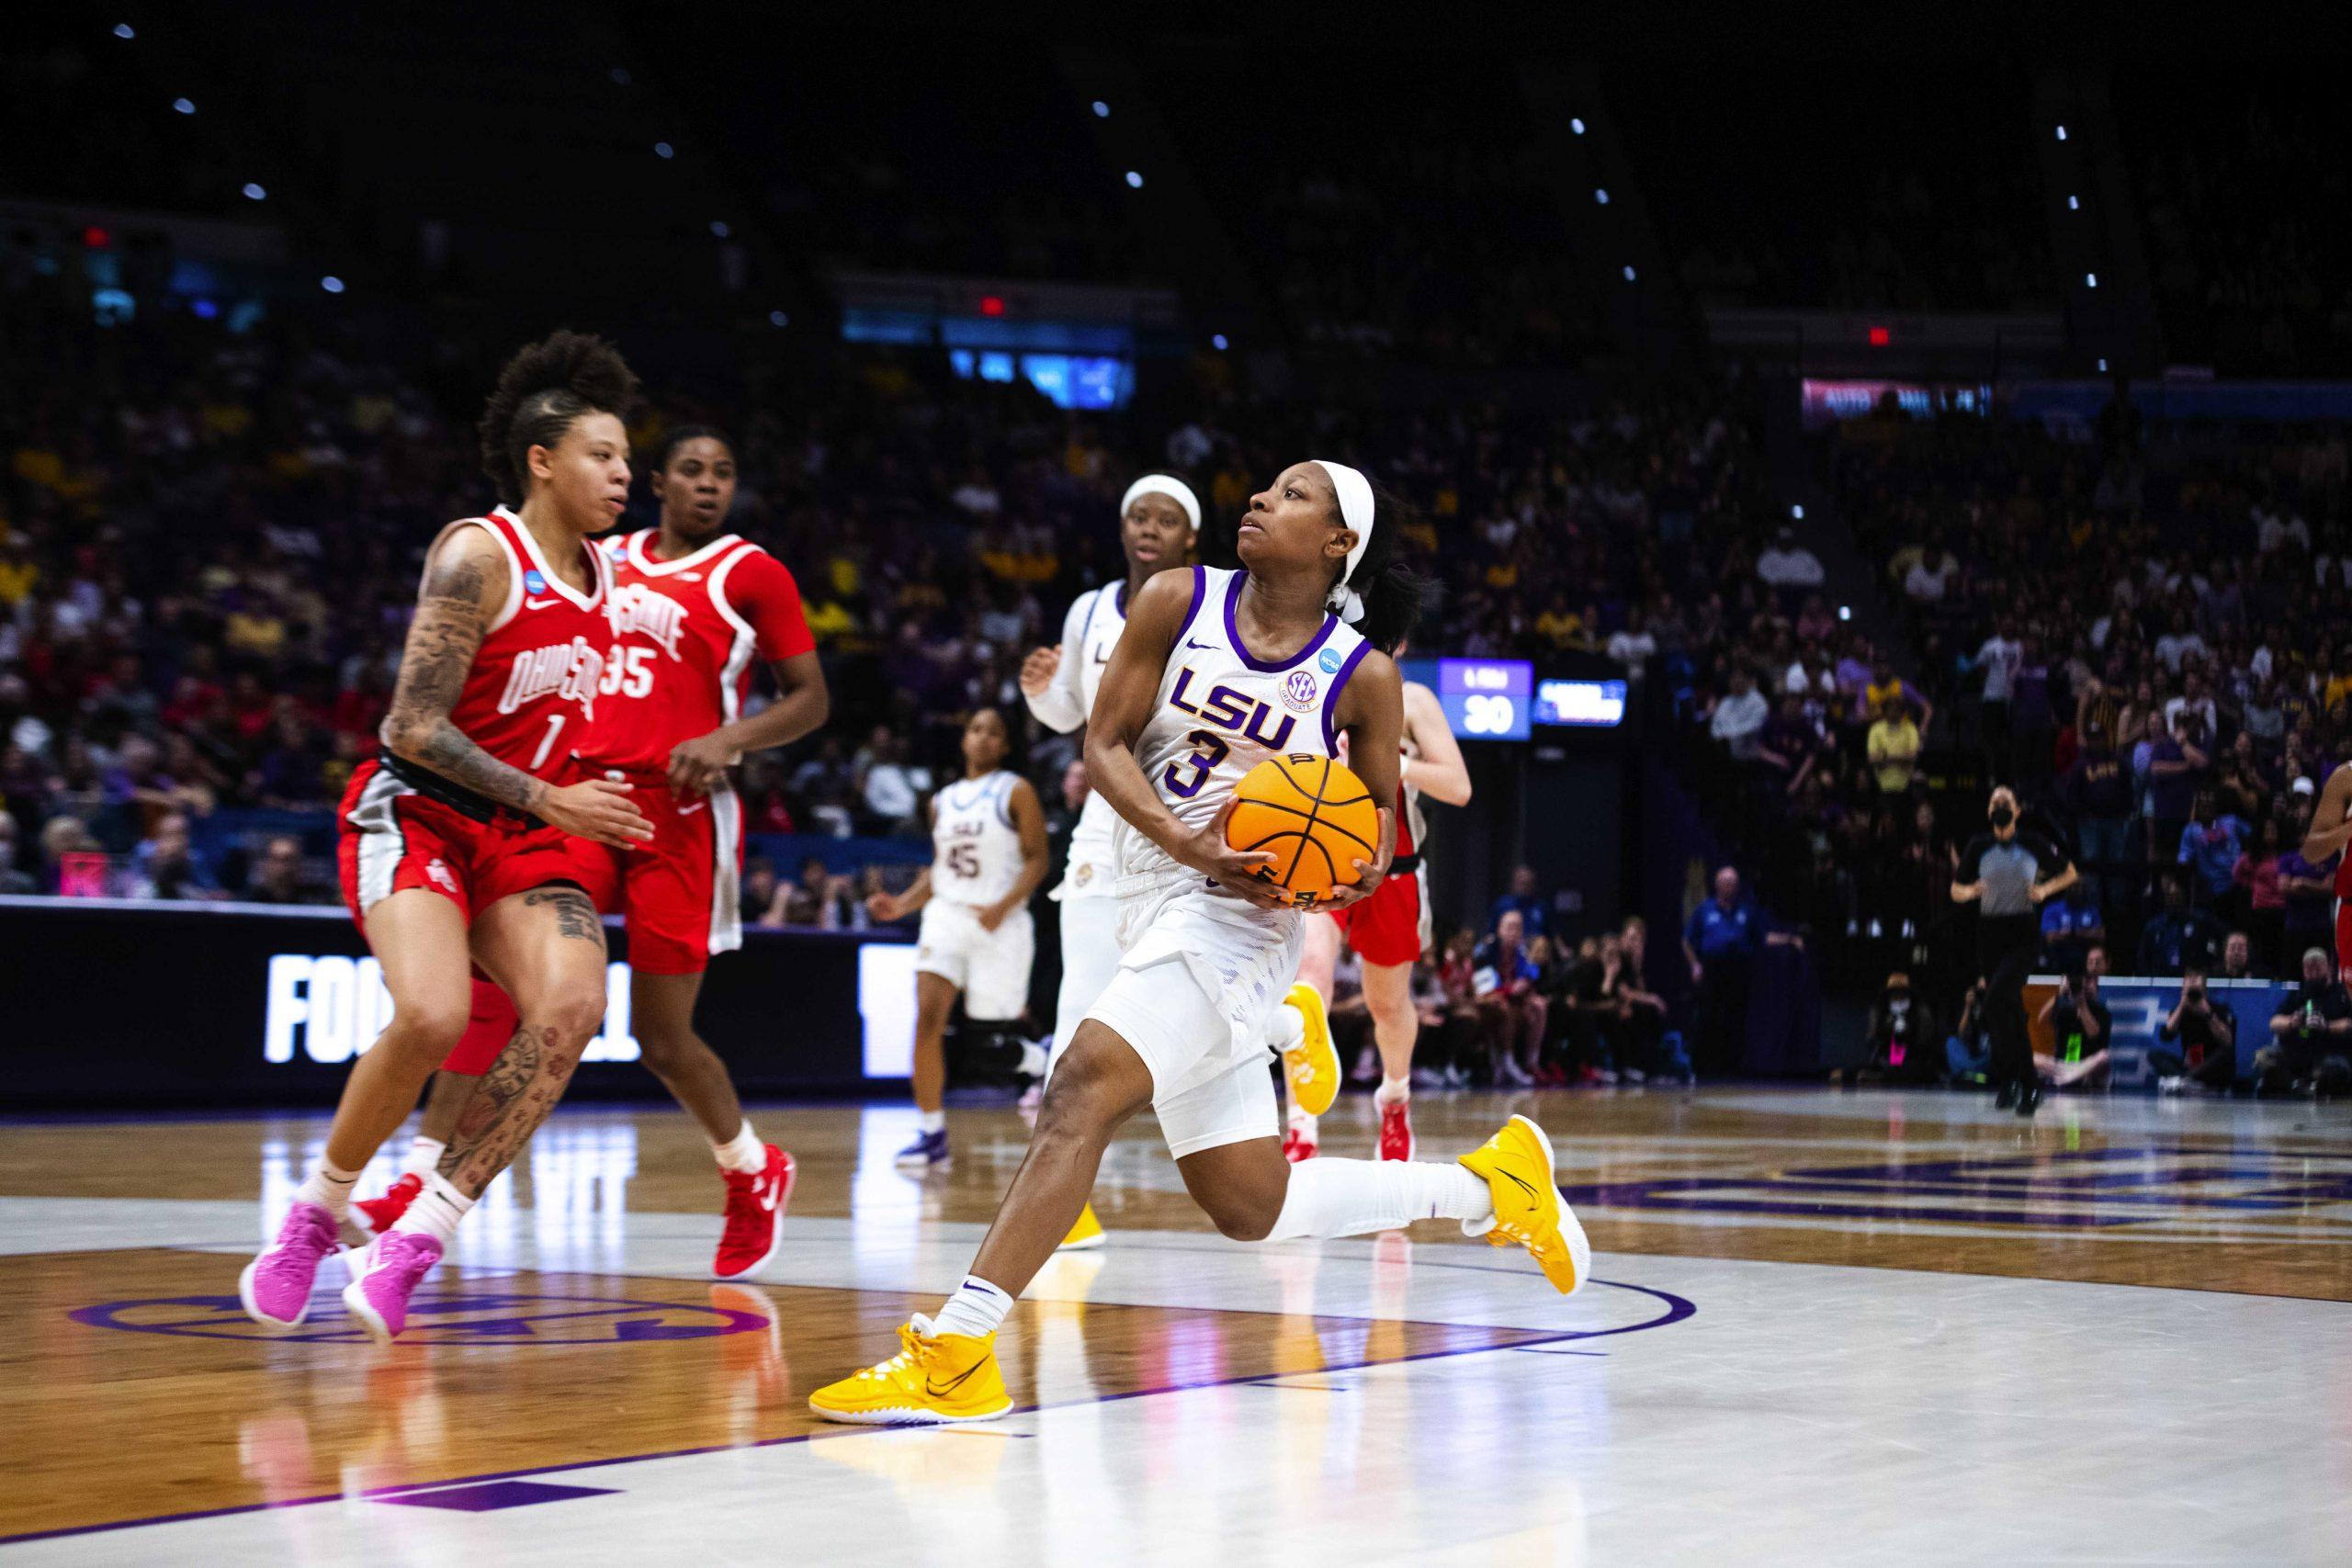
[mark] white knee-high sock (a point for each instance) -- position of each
(1352, 1197)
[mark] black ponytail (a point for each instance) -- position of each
(1390, 588)
(543, 389)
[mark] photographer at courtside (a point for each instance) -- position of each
(2205, 1032)
(2008, 874)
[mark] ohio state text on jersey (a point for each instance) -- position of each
(685, 632)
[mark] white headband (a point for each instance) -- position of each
(1355, 509)
(1171, 487)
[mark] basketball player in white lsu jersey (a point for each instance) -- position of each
(1217, 672)
(988, 839)
(1159, 519)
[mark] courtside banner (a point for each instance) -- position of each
(114, 1003)
(2138, 1006)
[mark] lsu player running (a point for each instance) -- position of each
(457, 848)
(1217, 672)
(1389, 931)
(694, 603)
(988, 836)
(1159, 521)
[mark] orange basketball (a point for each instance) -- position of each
(1315, 817)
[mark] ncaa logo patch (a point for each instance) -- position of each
(439, 872)
(1300, 691)
(1329, 662)
(533, 582)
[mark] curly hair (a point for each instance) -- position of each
(543, 389)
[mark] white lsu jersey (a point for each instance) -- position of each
(1089, 631)
(976, 850)
(1222, 711)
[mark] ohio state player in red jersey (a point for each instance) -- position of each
(457, 848)
(2329, 833)
(692, 606)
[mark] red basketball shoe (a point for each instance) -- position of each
(1396, 1130)
(755, 1216)
(378, 1216)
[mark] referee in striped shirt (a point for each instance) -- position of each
(2008, 876)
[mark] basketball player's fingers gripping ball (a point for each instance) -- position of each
(1315, 817)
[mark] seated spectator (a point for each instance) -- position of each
(2206, 1032)
(756, 894)
(278, 877)
(1894, 747)
(1900, 1045)
(1638, 1029)
(2311, 1036)
(1512, 1012)
(2237, 958)
(2071, 926)
(2081, 1027)
(1534, 911)
(1740, 715)
(2179, 937)
(1786, 564)
(1454, 1008)
(165, 866)
(1790, 745)
(886, 785)
(1933, 577)
(2210, 846)
(1967, 1053)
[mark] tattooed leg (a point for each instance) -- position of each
(546, 948)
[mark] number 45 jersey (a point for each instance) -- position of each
(684, 635)
(1222, 711)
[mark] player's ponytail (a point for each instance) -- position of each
(543, 389)
(1390, 588)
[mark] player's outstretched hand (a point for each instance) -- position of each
(1037, 671)
(1237, 871)
(699, 766)
(881, 907)
(599, 810)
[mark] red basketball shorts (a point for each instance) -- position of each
(1386, 929)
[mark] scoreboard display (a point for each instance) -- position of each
(1485, 699)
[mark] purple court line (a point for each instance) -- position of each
(1677, 1309)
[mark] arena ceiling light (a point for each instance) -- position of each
(332, 283)
(1218, 340)
(719, 228)
(1576, 126)
(663, 149)
(184, 105)
(125, 30)
(1102, 109)
(1134, 180)
(1629, 274)
(254, 192)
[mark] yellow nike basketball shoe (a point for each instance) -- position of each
(1087, 1233)
(934, 1380)
(1516, 1165)
(1312, 1065)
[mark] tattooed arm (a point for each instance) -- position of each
(464, 576)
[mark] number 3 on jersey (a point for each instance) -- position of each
(629, 673)
(1208, 751)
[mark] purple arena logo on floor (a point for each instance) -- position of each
(466, 1318)
(2091, 1190)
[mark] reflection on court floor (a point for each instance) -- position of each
(1901, 1303)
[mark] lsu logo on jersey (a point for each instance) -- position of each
(568, 669)
(1236, 712)
(636, 609)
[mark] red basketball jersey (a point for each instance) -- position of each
(533, 688)
(685, 633)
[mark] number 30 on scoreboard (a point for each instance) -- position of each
(1485, 699)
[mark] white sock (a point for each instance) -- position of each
(1350, 1197)
(436, 1210)
(423, 1155)
(328, 1187)
(1288, 1030)
(1304, 1126)
(1393, 1091)
(743, 1152)
(976, 1309)
(934, 1120)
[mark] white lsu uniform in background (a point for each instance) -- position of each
(1204, 969)
(1089, 931)
(976, 860)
